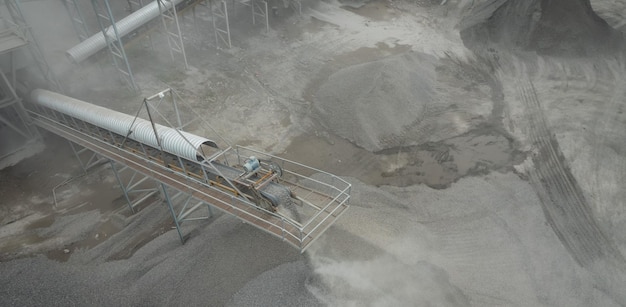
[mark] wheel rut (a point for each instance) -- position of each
(564, 203)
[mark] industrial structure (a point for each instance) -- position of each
(191, 172)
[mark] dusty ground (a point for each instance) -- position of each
(480, 178)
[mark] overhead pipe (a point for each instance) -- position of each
(176, 142)
(95, 43)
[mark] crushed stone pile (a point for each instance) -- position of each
(375, 103)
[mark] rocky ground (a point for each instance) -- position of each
(485, 171)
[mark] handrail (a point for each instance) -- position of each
(283, 227)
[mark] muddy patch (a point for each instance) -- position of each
(435, 164)
(439, 164)
(89, 208)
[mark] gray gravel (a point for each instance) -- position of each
(214, 264)
(373, 104)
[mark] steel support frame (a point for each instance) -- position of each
(134, 5)
(156, 100)
(152, 103)
(15, 10)
(149, 106)
(114, 44)
(221, 25)
(184, 214)
(77, 19)
(259, 8)
(86, 158)
(133, 186)
(299, 235)
(12, 112)
(174, 38)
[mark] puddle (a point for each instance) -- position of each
(440, 164)
(436, 164)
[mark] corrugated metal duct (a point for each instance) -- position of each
(128, 24)
(180, 143)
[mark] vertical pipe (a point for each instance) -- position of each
(267, 18)
(227, 22)
(155, 132)
(180, 36)
(180, 123)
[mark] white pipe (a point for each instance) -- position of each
(179, 143)
(125, 26)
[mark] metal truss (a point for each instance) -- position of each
(78, 21)
(156, 100)
(221, 26)
(169, 16)
(134, 5)
(133, 186)
(114, 42)
(188, 206)
(12, 112)
(259, 8)
(86, 158)
(15, 10)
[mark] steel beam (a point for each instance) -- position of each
(221, 25)
(131, 187)
(259, 8)
(77, 19)
(169, 16)
(114, 42)
(15, 10)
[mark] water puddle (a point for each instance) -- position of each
(436, 164)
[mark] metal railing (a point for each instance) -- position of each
(327, 197)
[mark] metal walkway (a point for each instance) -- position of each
(316, 198)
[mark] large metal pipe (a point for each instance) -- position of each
(179, 143)
(125, 26)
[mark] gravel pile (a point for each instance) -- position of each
(416, 246)
(375, 103)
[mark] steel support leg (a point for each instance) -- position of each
(119, 181)
(15, 10)
(174, 38)
(259, 8)
(114, 42)
(221, 27)
(171, 207)
(93, 160)
(76, 16)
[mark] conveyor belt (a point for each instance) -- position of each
(319, 209)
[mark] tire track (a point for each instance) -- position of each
(564, 203)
